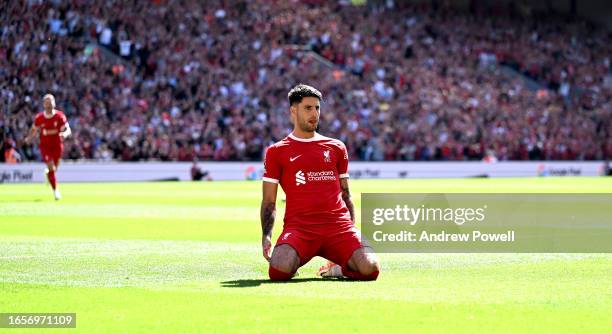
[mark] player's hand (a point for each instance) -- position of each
(266, 246)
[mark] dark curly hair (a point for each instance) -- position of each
(297, 93)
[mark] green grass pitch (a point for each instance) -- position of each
(186, 257)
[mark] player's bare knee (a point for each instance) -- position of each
(365, 261)
(284, 265)
(369, 267)
(285, 259)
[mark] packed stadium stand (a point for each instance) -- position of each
(180, 80)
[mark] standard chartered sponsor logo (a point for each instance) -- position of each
(322, 176)
(299, 178)
(326, 175)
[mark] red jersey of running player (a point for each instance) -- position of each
(51, 145)
(317, 221)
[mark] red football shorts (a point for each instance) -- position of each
(336, 245)
(51, 154)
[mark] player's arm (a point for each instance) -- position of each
(267, 215)
(33, 132)
(346, 197)
(344, 184)
(65, 131)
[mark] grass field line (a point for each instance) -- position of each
(238, 268)
(124, 211)
(109, 253)
(44, 247)
(207, 253)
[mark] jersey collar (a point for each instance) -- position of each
(316, 137)
(49, 117)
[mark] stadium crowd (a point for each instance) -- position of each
(183, 80)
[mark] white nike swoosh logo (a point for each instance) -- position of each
(292, 159)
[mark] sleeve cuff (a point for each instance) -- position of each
(268, 179)
(344, 176)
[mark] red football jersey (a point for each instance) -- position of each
(309, 171)
(50, 128)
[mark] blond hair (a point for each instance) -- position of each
(51, 97)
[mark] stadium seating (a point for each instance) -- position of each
(178, 80)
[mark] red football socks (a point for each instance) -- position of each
(51, 177)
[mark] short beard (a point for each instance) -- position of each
(306, 127)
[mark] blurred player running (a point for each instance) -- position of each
(54, 128)
(313, 172)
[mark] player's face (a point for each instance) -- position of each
(306, 114)
(48, 104)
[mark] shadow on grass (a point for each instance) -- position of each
(247, 283)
